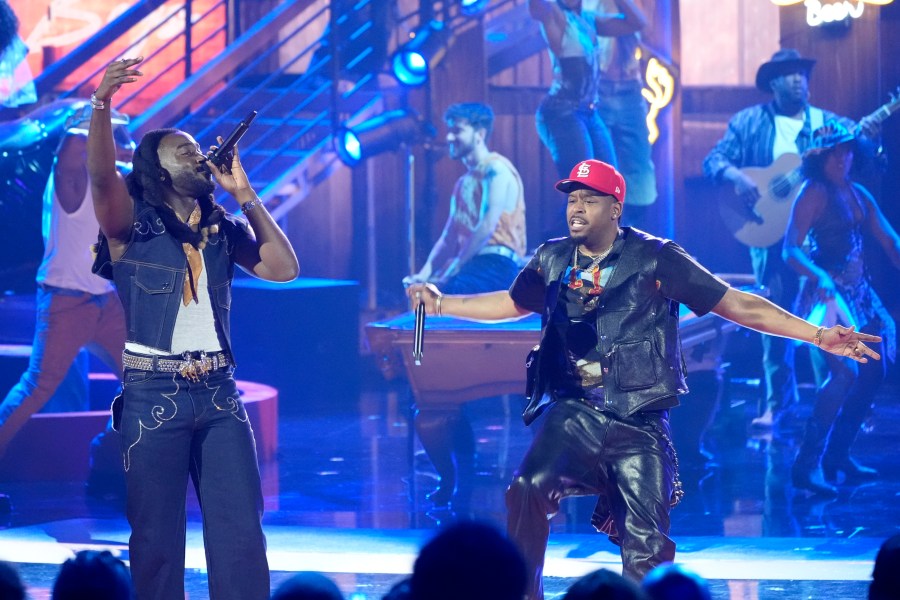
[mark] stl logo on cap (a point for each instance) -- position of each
(595, 175)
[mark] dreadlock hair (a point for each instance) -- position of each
(143, 182)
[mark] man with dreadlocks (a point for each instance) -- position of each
(171, 250)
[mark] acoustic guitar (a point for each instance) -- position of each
(762, 223)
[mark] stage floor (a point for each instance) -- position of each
(345, 497)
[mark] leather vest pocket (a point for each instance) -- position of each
(635, 365)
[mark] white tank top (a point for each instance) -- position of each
(68, 238)
(195, 325)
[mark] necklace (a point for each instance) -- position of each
(575, 280)
(595, 260)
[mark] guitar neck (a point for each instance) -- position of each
(882, 113)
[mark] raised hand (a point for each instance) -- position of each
(117, 74)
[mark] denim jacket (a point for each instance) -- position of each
(149, 277)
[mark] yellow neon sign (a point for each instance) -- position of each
(658, 93)
(818, 13)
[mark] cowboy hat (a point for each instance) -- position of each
(785, 61)
(827, 137)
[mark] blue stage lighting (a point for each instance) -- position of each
(413, 61)
(381, 133)
(410, 68)
(472, 7)
(349, 143)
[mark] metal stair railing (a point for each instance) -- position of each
(303, 131)
(251, 44)
(100, 43)
(53, 75)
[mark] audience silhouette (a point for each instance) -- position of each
(399, 591)
(674, 582)
(469, 560)
(93, 575)
(604, 584)
(308, 585)
(886, 574)
(11, 586)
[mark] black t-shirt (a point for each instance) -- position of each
(679, 278)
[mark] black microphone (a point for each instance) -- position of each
(224, 153)
(419, 333)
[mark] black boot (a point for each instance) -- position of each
(852, 470)
(843, 434)
(806, 473)
(812, 480)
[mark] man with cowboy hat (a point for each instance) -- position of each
(756, 137)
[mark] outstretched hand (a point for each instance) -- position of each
(845, 341)
(118, 73)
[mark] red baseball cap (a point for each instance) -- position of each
(596, 175)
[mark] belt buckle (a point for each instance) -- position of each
(192, 368)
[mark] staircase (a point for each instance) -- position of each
(288, 150)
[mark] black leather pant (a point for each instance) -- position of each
(579, 450)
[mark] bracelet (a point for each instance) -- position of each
(246, 207)
(97, 103)
(817, 339)
(437, 305)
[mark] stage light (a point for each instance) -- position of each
(382, 133)
(427, 46)
(472, 7)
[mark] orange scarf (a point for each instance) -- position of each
(195, 262)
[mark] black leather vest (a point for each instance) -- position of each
(637, 330)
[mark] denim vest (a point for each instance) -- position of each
(149, 277)
(637, 330)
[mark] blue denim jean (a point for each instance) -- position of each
(624, 111)
(782, 284)
(173, 429)
(482, 273)
(572, 133)
(67, 320)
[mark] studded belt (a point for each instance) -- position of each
(189, 365)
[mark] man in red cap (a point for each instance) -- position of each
(609, 368)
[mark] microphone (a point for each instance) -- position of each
(419, 335)
(224, 153)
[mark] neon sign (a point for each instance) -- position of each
(658, 93)
(818, 13)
